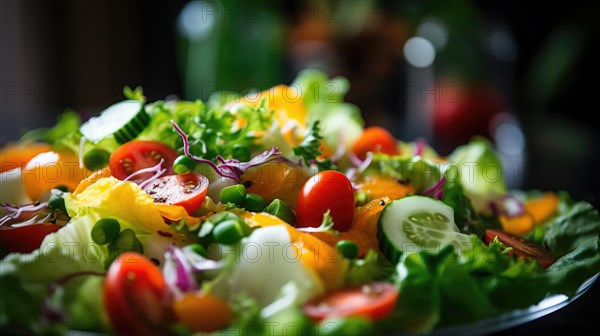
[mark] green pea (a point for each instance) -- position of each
(126, 241)
(360, 198)
(62, 188)
(96, 159)
(233, 194)
(254, 203)
(283, 211)
(230, 232)
(57, 203)
(184, 164)
(198, 249)
(347, 248)
(105, 231)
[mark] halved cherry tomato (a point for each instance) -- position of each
(328, 190)
(521, 247)
(135, 155)
(136, 297)
(375, 139)
(25, 239)
(374, 301)
(186, 190)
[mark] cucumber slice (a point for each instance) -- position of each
(124, 121)
(417, 223)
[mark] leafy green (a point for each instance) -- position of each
(444, 288)
(324, 101)
(370, 268)
(310, 148)
(575, 224)
(479, 171)
(345, 326)
(465, 216)
(420, 172)
(212, 131)
(71, 250)
(68, 122)
(15, 304)
(134, 94)
(318, 90)
(326, 225)
(247, 316)
(67, 251)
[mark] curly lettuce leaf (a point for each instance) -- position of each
(212, 131)
(324, 101)
(71, 250)
(310, 149)
(368, 269)
(126, 201)
(443, 288)
(420, 172)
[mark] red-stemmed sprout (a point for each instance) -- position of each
(230, 168)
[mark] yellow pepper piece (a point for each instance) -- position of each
(202, 312)
(176, 213)
(385, 186)
(518, 225)
(290, 111)
(543, 207)
(88, 181)
(363, 231)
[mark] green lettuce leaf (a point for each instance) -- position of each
(443, 288)
(68, 122)
(310, 148)
(465, 216)
(67, 251)
(479, 171)
(211, 130)
(573, 225)
(71, 250)
(420, 172)
(368, 269)
(324, 101)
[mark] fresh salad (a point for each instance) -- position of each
(273, 212)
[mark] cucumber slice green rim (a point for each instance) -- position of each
(124, 120)
(417, 223)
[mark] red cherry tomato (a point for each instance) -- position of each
(136, 297)
(187, 190)
(25, 239)
(135, 155)
(374, 301)
(375, 139)
(521, 247)
(328, 190)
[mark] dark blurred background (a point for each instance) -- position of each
(521, 74)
